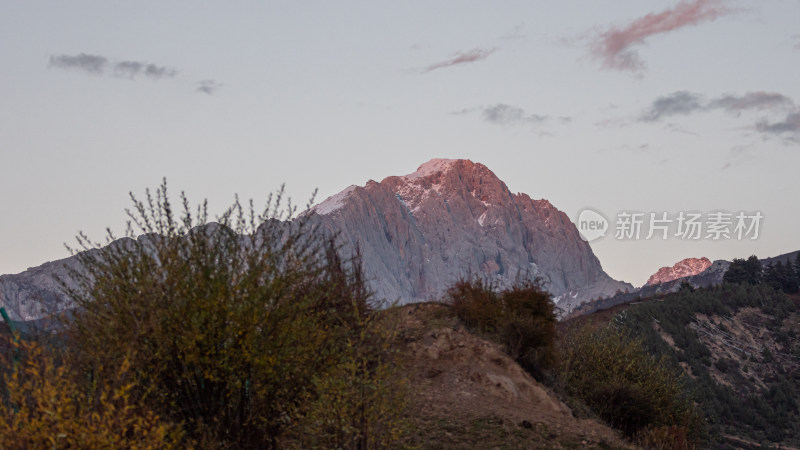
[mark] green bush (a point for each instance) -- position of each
(521, 317)
(235, 327)
(624, 384)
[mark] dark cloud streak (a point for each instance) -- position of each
(208, 87)
(93, 64)
(502, 114)
(98, 65)
(751, 100)
(684, 103)
(789, 125)
(681, 102)
(127, 69)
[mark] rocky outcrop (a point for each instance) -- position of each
(684, 268)
(420, 232)
(34, 293)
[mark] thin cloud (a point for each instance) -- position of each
(751, 100)
(474, 55)
(616, 46)
(502, 114)
(208, 87)
(796, 38)
(157, 72)
(93, 64)
(791, 124)
(683, 103)
(130, 69)
(100, 65)
(462, 111)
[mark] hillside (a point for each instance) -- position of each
(466, 390)
(738, 346)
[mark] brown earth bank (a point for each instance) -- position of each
(465, 392)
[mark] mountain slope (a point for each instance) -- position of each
(420, 232)
(35, 293)
(736, 343)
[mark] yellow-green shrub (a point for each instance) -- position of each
(359, 402)
(625, 385)
(45, 405)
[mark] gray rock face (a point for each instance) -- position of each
(418, 234)
(34, 294)
(421, 232)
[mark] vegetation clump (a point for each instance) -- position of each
(46, 404)
(522, 318)
(623, 383)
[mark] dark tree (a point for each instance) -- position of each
(754, 270)
(736, 273)
(744, 271)
(774, 276)
(792, 285)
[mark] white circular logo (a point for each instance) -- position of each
(591, 225)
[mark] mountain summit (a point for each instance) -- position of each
(420, 232)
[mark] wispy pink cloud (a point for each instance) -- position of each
(476, 54)
(615, 46)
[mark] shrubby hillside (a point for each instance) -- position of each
(738, 345)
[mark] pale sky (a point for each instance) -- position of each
(619, 106)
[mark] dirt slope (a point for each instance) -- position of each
(467, 393)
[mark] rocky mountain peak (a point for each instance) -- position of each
(420, 232)
(439, 181)
(434, 167)
(683, 268)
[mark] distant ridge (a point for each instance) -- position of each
(417, 234)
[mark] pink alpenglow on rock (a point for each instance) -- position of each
(421, 232)
(684, 268)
